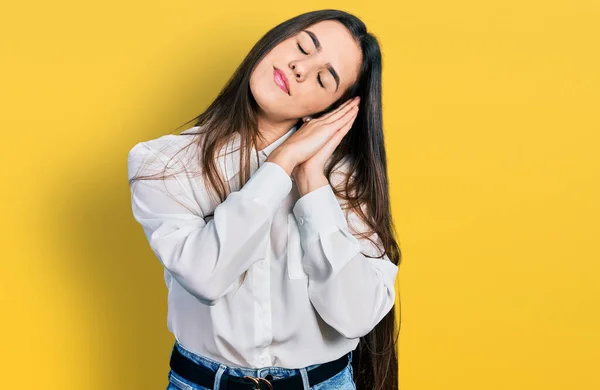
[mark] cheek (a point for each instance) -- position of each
(312, 102)
(259, 82)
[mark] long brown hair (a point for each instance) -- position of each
(365, 189)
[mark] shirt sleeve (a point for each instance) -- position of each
(351, 292)
(206, 256)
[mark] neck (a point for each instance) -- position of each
(270, 130)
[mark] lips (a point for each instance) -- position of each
(281, 80)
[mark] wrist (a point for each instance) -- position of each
(279, 157)
(308, 181)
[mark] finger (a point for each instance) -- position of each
(340, 107)
(345, 128)
(341, 122)
(346, 104)
(337, 137)
(338, 115)
(340, 110)
(349, 115)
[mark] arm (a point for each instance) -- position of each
(351, 292)
(206, 258)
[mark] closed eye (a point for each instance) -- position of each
(319, 76)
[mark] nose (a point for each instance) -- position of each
(298, 70)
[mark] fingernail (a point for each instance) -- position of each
(357, 98)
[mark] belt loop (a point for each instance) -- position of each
(304, 375)
(218, 375)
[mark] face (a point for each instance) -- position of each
(306, 73)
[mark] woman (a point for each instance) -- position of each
(273, 224)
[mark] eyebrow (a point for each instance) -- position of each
(328, 65)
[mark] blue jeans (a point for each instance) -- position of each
(341, 381)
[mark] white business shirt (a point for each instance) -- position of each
(309, 293)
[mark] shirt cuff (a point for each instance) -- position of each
(321, 219)
(318, 212)
(269, 185)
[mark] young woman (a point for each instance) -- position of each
(271, 218)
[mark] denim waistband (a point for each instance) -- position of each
(220, 368)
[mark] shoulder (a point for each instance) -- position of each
(173, 162)
(171, 151)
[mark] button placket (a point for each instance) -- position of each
(263, 334)
(294, 249)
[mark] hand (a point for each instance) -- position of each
(317, 162)
(314, 135)
(310, 175)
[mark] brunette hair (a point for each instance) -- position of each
(365, 187)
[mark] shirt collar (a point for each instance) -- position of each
(229, 155)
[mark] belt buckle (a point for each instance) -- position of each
(258, 380)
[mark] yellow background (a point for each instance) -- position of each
(491, 120)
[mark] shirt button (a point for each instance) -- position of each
(261, 263)
(262, 360)
(301, 221)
